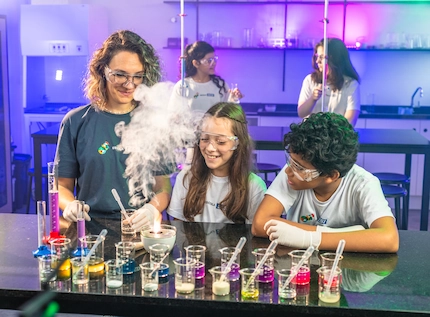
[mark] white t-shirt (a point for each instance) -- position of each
(200, 96)
(217, 190)
(348, 98)
(358, 200)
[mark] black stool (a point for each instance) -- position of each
(398, 180)
(266, 168)
(396, 192)
(30, 183)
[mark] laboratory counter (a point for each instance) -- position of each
(372, 284)
(367, 111)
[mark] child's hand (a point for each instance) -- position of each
(291, 236)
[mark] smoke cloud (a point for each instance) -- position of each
(156, 138)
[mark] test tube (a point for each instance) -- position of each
(41, 222)
(53, 199)
(41, 230)
(82, 248)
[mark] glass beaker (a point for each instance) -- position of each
(96, 262)
(304, 275)
(329, 293)
(197, 252)
(267, 273)
(125, 252)
(185, 271)
(220, 281)
(226, 254)
(60, 248)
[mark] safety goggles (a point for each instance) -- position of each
(302, 173)
(123, 79)
(219, 141)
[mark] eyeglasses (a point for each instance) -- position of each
(302, 173)
(121, 78)
(319, 57)
(209, 61)
(219, 141)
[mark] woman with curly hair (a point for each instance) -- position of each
(203, 88)
(342, 94)
(219, 185)
(325, 195)
(89, 162)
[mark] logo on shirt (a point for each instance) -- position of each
(103, 148)
(322, 221)
(196, 95)
(210, 95)
(216, 205)
(307, 218)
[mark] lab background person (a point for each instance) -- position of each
(326, 197)
(342, 84)
(203, 88)
(219, 186)
(90, 162)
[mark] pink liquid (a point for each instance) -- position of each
(55, 211)
(304, 276)
(81, 233)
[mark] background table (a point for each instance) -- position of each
(394, 284)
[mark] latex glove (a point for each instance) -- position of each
(70, 213)
(145, 216)
(345, 229)
(292, 236)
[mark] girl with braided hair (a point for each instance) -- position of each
(219, 185)
(90, 162)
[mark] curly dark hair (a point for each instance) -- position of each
(339, 64)
(326, 140)
(197, 51)
(120, 41)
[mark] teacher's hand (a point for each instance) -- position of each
(70, 213)
(144, 216)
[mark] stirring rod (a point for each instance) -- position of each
(118, 200)
(269, 250)
(339, 252)
(102, 234)
(237, 250)
(296, 268)
(158, 264)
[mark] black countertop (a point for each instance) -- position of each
(373, 284)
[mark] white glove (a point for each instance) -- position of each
(145, 216)
(345, 229)
(70, 213)
(292, 236)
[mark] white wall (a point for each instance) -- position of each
(388, 78)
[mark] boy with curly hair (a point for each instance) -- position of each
(325, 195)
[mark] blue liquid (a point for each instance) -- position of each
(164, 270)
(128, 267)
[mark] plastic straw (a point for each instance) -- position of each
(118, 200)
(269, 250)
(239, 247)
(339, 252)
(296, 268)
(102, 234)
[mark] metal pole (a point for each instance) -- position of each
(324, 60)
